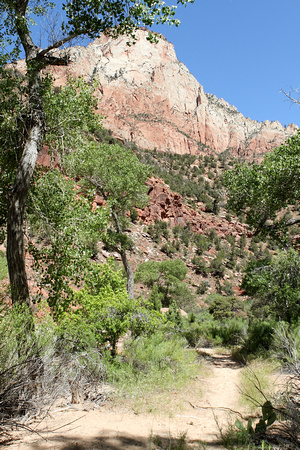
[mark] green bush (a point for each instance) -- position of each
(202, 288)
(168, 276)
(223, 308)
(217, 267)
(259, 337)
(168, 249)
(104, 312)
(200, 265)
(159, 357)
(202, 243)
(227, 333)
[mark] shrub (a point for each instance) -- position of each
(200, 265)
(259, 337)
(203, 287)
(223, 308)
(168, 276)
(168, 249)
(217, 267)
(36, 368)
(202, 243)
(152, 365)
(275, 283)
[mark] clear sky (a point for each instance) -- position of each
(244, 51)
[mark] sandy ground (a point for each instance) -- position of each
(118, 427)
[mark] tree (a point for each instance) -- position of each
(82, 18)
(165, 278)
(118, 176)
(262, 190)
(275, 285)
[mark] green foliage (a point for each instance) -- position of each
(114, 171)
(223, 308)
(81, 19)
(168, 278)
(104, 312)
(259, 338)
(202, 243)
(151, 272)
(200, 266)
(275, 285)
(246, 434)
(204, 331)
(217, 268)
(262, 190)
(158, 229)
(158, 352)
(116, 174)
(153, 366)
(203, 287)
(68, 228)
(168, 249)
(70, 115)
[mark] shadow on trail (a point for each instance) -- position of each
(122, 442)
(220, 360)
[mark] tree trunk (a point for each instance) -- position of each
(17, 197)
(129, 273)
(127, 267)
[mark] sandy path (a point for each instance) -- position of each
(116, 428)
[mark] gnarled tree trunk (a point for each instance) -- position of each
(15, 218)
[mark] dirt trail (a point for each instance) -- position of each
(117, 428)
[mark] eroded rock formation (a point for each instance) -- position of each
(151, 98)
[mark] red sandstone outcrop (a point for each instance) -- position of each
(167, 205)
(151, 98)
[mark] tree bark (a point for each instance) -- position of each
(18, 194)
(15, 217)
(127, 267)
(129, 274)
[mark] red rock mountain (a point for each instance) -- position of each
(151, 98)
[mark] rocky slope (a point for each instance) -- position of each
(151, 98)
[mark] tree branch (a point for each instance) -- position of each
(274, 226)
(56, 44)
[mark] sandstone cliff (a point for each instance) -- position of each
(151, 98)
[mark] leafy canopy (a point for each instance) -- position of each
(70, 231)
(114, 171)
(275, 285)
(80, 18)
(262, 190)
(166, 281)
(104, 311)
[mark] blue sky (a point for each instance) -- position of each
(244, 51)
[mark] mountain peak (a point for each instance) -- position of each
(150, 98)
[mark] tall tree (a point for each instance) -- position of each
(82, 18)
(119, 177)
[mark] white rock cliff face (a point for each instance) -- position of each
(149, 97)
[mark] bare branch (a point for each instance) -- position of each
(293, 95)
